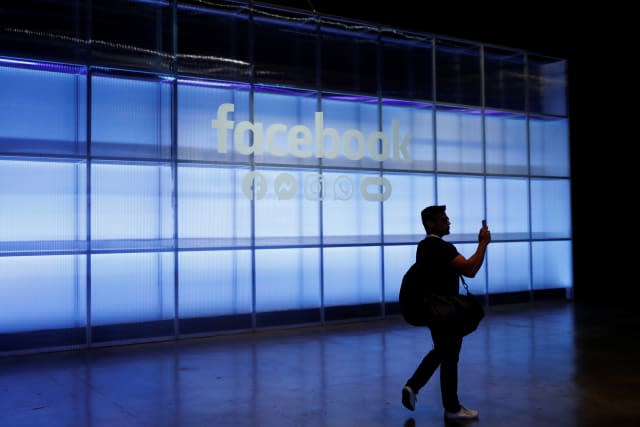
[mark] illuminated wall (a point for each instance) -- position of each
(155, 184)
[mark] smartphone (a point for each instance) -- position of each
(484, 222)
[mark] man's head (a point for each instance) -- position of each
(435, 220)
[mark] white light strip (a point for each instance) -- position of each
(124, 47)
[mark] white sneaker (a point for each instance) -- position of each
(462, 414)
(409, 398)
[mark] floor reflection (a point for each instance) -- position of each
(555, 364)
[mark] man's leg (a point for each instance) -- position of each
(425, 370)
(448, 347)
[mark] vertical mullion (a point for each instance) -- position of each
(88, 205)
(483, 115)
(77, 214)
(252, 79)
(321, 199)
(174, 167)
(88, 153)
(434, 116)
(528, 140)
(381, 166)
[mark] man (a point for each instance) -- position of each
(444, 265)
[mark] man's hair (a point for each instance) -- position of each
(431, 213)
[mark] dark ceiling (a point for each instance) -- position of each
(536, 28)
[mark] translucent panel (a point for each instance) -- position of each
(43, 29)
(217, 42)
(350, 133)
(506, 143)
(458, 72)
(477, 285)
(43, 292)
(408, 128)
(42, 201)
(397, 260)
(352, 275)
(148, 41)
(459, 140)
(549, 141)
(551, 208)
(411, 194)
(508, 208)
(464, 198)
(212, 205)
(509, 268)
(547, 85)
(207, 115)
(407, 64)
(346, 212)
(131, 201)
(287, 279)
(552, 265)
(52, 100)
(284, 128)
(286, 47)
(286, 213)
(130, 117)
(349, 58)
(214, 283)
(130, 288)
(504, 79)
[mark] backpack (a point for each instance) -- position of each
(412, 296)
(419, 307)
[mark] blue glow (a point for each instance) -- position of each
(42, 292)
(509, 268)
(352, 275)
(47, 201)
(130, 117)
(131, 202)
(283, 90)
(237, 254)
(153, 2)
(134, 287)
(17, 62)
(463, 196)
(417, 123)
(344, 211)
(211, 204)
(44, 66)
(406, 103)
(289, 110)
(549, 147)
(214, 283)
(198, 106)
(352, 98)
(397, 260)
(551, 208)
(344, 115)
(508, 207)
(552, 263)
(411, 194)
(40, 111)
(213, 83)
(506, 144)
(459, 141)
(287, 279)
(288, 211)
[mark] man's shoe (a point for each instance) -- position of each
(409, 398)
(462, 414)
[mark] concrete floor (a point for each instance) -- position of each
(545, 364)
